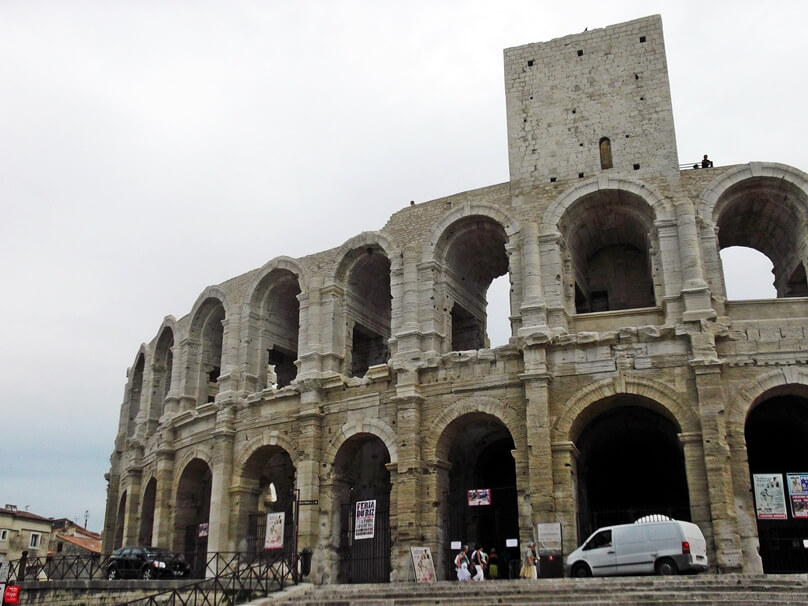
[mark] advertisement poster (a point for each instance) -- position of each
(549, 538)
(798, 490)
(479, 496)
(422, 564)
(202, 530)
(274, 535)
(365, 519)
(770, 500)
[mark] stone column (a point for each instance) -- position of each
(552, 271)
(164, 498)
(697, 485)
(222, 477)
(744, 502)
(407, 480)
(406, 291)
(694, 289)
(534, 311)
(717, 464)
(565, 485)
(132, 517)
(111, 514)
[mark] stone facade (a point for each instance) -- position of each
(364, 372)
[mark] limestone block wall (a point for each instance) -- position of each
(364, 372)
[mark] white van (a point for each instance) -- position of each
(657, 546)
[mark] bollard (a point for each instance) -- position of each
(305, 561)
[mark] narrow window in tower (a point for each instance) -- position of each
(605, 153)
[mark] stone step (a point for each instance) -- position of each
(690, 591)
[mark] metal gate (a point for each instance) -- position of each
(364, 560)
(256, 534)
(196, 551)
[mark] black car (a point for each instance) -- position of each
(146, 563)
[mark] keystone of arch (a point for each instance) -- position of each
(552, 216)
(708, 200)
(468, 209)
(371, 426)
(363, 240)
(434, 446)
(741, 405)
(670, 403)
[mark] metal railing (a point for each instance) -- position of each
(694, 165)
(230, 578)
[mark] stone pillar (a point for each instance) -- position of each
(534, 311)
(565, 487)
(132, 517)
(222, 477)
(111, 514)
(744, 502)
(552, 271)
(539, 453)
(717, 465)
(696, 296)
(697, 485)
(164, 498)
(409, 336)
(407, 479)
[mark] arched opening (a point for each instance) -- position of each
(474, 256)
(362, 510)
(607, 259)
(278, 327)
(764, 214)
(605, 153)
(631, 464)
(120, 521)
(267, 487)
(162, 370)
(135, 392)
(478, 489)
(147, 514)
(192, 513)
(776, 434)
(498, 311)
(209, 328)
(747, 274)
(368, 310)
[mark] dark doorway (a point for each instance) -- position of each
(192, 515)
(631, 465)
(480, 458)
(776, 435)
(147, 513)
(361, 476)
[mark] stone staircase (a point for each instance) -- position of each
(670, 591)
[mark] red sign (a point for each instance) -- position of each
(11, 595)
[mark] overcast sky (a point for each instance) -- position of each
(150, 149)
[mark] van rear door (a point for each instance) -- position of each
(698, 546)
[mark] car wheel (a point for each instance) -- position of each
(666, 567)
(112, 574)
(147, 574)
(581, 570)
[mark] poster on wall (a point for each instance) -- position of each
(770, 500)
(202, 530)
(274, 534)
(798, 491)
(549, 538)
(365, 519)
(479, 496)
(422, 564)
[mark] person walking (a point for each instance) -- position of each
(529, 562)
(462, 564)
(479, 562)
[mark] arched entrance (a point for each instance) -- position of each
(362, 508)
(192, 514)
(631, 464)
(120, 520)
(479, 502)
(268, 487)
(147, 513)
(776, 434)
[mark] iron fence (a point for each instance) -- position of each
(58, 568)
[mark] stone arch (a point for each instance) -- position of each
(708, 202)
(763, 207)
(271, 321)
(431, 250)
(433, 442)
(363, 276)
(134, 409)
(579, 409)
(751, 393)
(656, 202)
(363, 425)
(469, 248)
(202, 452)
(162, 366)
(206, 345)
(267, 437)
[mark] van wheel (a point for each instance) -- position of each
(666, 567)
(581, 571)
